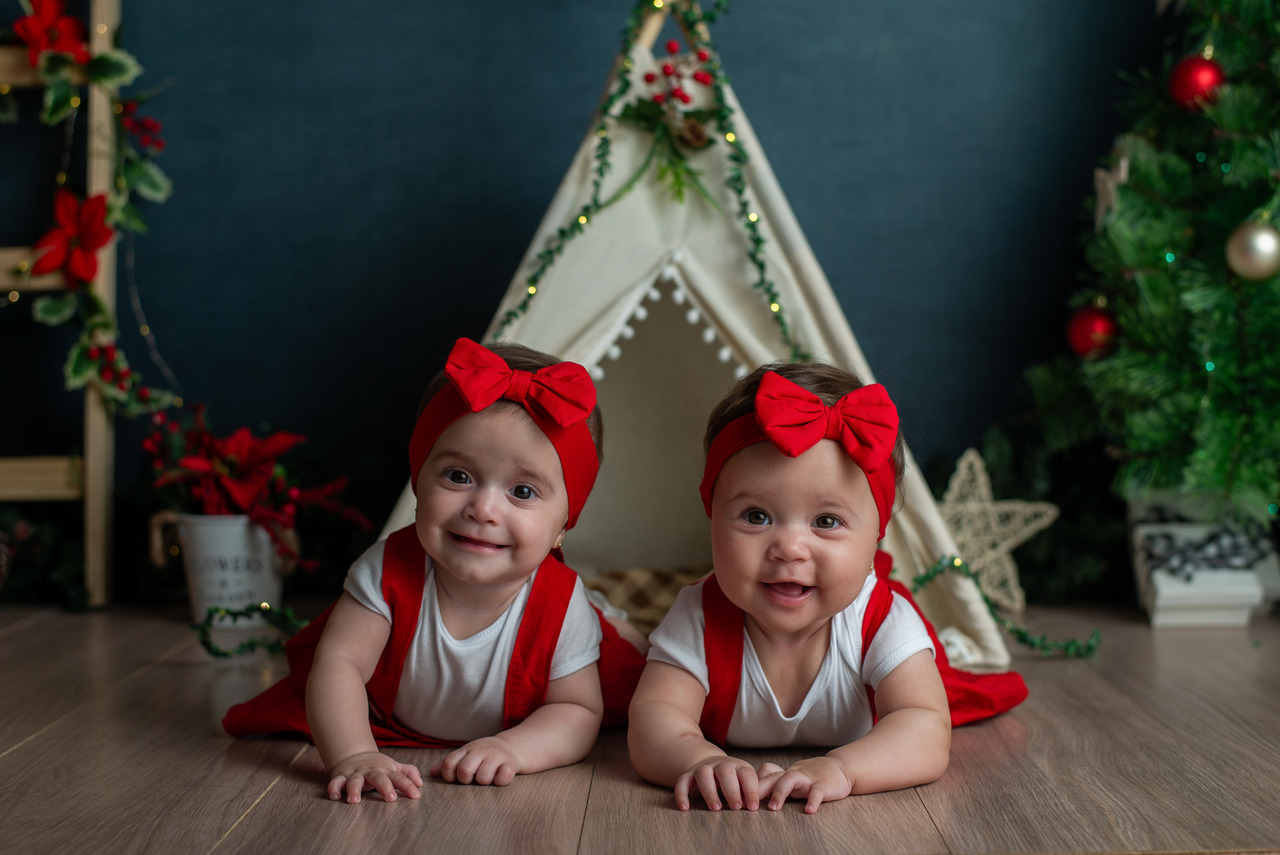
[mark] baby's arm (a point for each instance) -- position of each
(338, 706)
(909, 745)
(558, 733)
(668, 748)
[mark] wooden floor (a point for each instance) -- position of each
(1167, 740)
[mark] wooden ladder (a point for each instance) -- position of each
(90, 478)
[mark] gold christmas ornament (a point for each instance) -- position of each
(1253, 251)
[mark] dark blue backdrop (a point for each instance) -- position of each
(354, 186)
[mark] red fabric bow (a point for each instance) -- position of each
(562, 393)
(865, 421)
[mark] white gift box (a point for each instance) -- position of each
(1194, 596)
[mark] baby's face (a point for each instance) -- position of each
(792, 539)
(491, 498)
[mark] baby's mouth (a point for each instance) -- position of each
(471, 541)
(789, 590)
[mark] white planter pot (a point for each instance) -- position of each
(230, 563)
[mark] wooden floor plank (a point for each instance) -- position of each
(110, 742)
(56, 660)
(139, 764)
(625, 814)
(540, 813)
(1121, 752)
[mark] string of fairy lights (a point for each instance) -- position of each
(694, 23)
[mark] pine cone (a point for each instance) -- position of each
(693, 134)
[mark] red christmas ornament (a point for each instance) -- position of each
(673, 46)
(1090, 332)
(1195, 81)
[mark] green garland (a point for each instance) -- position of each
(281, 619)
(693, 21)
(1070, 647)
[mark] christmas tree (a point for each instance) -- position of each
(1176, 330)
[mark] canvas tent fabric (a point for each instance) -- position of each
(655, 297)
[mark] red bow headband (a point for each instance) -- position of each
(558, 398)
(865, 422)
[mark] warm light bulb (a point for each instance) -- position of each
(533, 289)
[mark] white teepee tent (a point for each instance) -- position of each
(656, 297)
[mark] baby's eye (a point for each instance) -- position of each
(524, 492)
(826, 521)
(755, 516)
(457, 476)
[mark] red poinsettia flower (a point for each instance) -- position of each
(72, 245)
(240, 465)
(47, 28)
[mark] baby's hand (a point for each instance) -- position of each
(735, 778)
(373, 771)
(486, 761)
(817, 779)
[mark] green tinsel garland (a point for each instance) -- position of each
(281, 619)
(692, 20)
(1070, 647)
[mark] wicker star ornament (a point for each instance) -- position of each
(987, 531)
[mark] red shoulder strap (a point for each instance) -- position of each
(971, 697)
(877, 610)
(722, 642)
(404, 575)
(530, 668)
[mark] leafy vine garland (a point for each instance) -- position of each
(1070, 647)
(649, 115)
(57, 50)
(283, 620)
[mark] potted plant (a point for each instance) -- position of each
(231, 509)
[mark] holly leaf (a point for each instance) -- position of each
(704, 116)
(127, 216)
(111, 391)
(147, 180)
(98, 318)
(55, 65)
(79, 368)
(160, 399)
(54, 311)
(113, 67)
(59, 100)
(644, 114)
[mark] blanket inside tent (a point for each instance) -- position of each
(667, 300)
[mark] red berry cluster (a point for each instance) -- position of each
(673, 73)
(113, 370)
(156, 444)
(145, 129)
